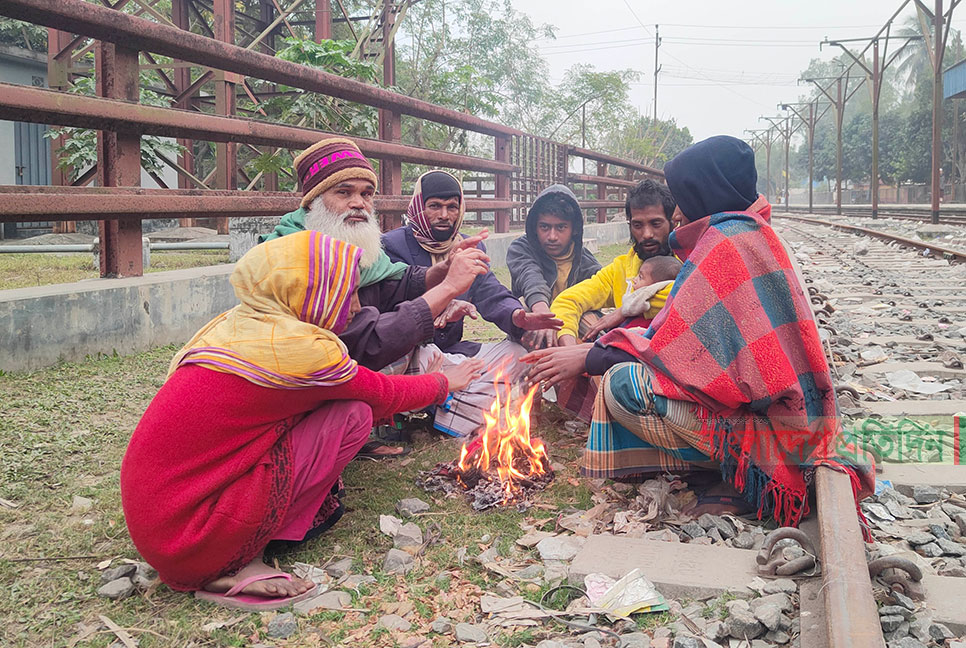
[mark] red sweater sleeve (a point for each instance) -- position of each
(388, 395)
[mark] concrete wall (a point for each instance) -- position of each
(42, 326)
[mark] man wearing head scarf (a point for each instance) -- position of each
(731, 375)
(400, 302)
(434, 217)
(550, 257)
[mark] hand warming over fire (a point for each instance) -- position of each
(461, 375)
(464, 267)
(553, 366)
(455, 311)
(535, 321)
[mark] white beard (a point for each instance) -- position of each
(367, 236)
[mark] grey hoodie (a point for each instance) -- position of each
(532, 272)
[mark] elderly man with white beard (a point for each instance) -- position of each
(401, 303)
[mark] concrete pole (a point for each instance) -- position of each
(811, 149)
(839, 115)
(937, 100)
(788, 138)
(876, 81)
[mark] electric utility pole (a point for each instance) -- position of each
(809, 121)
(657, 68)
(874, 74)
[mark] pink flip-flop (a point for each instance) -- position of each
(233, 598)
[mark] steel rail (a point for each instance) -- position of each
(949, 215)
(947, 253)
(38, 105)
(105, 24)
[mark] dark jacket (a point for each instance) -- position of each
(393, 321)
(491, 298)
(532, 272)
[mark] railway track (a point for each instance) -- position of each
(948, 214)
(850, 288)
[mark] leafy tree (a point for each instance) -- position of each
(23, 34)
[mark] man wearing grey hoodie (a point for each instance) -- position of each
(550, 257)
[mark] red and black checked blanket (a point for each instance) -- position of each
(737, 337)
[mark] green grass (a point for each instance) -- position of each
(28, 270)
(64, 432)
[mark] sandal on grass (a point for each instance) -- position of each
(234, 598)
(377, 451)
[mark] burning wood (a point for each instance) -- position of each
(503, 466)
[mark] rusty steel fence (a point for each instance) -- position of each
(125, 43)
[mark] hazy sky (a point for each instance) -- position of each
(725, 62)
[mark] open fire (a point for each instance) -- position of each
(502, 466)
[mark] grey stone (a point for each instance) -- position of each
(920, 629)
(904, 601)
(693, 529)
(332, 600)
(951, 509)
(786, 585)
(356, 581)
(917, 538)
(145, 575)
(724, 526)
(687, 642)
(892, 610)
(591, 641)
(635, 640)
(408, 535)
(283, 626)
(469, 633)
(907, 642)
(560, 547)
(960, 520)
(777, 637)
(411, 506)
(742, 624)
(744, 540)
(488, 556)
(898, 633)
(117, 589)
(769, 615)
(550, 643)
(393, 622)
(951, 548)
(924, 494)
(114, 573)
(442, 625)
(780, 599)
(339, 568)
(717, 630)
(930, 550)
(531, 572)
(939, 530)
(940, 633)
(397, 562)
(715, 535)
(890, 622)
(81, 504)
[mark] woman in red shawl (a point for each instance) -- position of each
(261, 411)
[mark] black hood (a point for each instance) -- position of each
(578, 224)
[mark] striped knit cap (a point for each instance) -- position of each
(324, 165)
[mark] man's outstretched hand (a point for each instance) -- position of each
(455, 311)
(553, 366)
(535, 321)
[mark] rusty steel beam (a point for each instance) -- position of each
(852, 619)
(25, 103)
(601, 204)
(612, 159)
(117, 27)
(608, 180)
(127, 203)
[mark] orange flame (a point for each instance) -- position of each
(505, 441)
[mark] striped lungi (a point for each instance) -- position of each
(634, 430)
(462, 414)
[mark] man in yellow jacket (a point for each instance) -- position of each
(649, 207)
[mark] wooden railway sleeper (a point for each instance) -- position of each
(779, 565)
(903, 575)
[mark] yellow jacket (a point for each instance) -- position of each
(604, 290)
